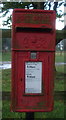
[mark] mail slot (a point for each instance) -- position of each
(33, 58)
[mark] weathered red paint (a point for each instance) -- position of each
(33, 30)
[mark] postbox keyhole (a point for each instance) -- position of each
(33, 55)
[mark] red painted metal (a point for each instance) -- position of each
(33, 31)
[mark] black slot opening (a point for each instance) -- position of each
(22, 29)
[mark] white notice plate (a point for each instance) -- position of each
(33, 77)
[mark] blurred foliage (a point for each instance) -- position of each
(6, 6)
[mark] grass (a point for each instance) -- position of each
(0, 56)
(6, 56)
(61, 68)
(0, 108)
(6, 113)
(6, 80)
(59, 82)
(59, 57)
(56, 113)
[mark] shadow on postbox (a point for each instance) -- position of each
(33, 55)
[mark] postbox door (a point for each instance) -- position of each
(30, 93)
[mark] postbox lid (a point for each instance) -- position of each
(37, 25)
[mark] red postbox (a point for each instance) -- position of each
(33, 52)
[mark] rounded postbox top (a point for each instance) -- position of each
(33, 30)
